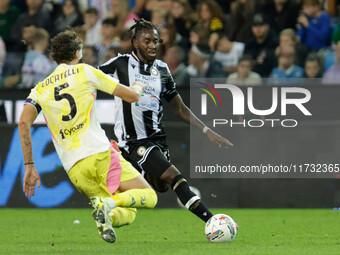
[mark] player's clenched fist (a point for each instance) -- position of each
(139, 84)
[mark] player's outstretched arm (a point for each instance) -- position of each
(187, 116)
(31, 177)
(130, 94)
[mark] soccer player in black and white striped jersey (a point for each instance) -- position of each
(138, 126)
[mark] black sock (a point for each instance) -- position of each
(190, 199)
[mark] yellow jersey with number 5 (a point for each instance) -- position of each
(67, 100)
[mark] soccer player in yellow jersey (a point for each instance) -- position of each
(67, 100)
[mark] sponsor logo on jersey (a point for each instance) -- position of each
(69, 131)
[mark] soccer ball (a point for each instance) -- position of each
(220, 228)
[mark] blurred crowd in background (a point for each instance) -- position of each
(243, 41)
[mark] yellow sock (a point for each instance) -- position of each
(146, 198)
(122, 216)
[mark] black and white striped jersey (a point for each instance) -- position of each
(142, 119)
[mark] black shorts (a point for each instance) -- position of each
(149, 155)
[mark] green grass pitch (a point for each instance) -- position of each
(170, 231)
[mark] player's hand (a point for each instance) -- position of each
(30, 179)
(218, 140)
(139, 84)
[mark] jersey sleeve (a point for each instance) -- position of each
(32, 99)
(169, 91)
(109, 67)
(100, 80)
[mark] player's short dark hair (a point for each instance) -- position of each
(92, 10)
(141, 25)
(64, 45)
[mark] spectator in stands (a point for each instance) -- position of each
(111, 53)
(313, 70)
(90, 55)
(81, 33)
(211, 16)
(281, 14)
(262, 46)
(314, 25)
(70, 16)
(119, 12)
(15, 59)
(109, 38)
(102, 6)
(332, 74)
(183, 17)
(286, 68)
(35, 16)
(242, 15)
(174, 57)
(159, 17)
(313, 66)
(27, 33)
(199, 34)
(140, 9)
(8, 16)
(150, 5)
(36, 65)
(168, 37)
(92, 25)
(288, 37)
(228, 53)
(125, 42)
(200, 64)
(244, 76)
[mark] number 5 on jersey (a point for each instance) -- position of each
(69, 98)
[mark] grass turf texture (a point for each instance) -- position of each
(170, 231)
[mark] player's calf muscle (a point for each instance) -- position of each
(170, 174)
(136, 198)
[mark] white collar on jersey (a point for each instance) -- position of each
(135, 56)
